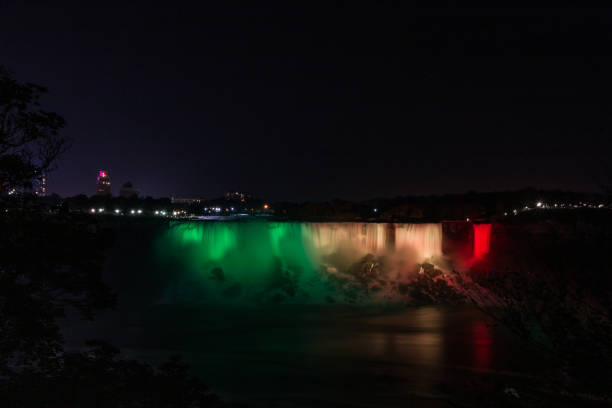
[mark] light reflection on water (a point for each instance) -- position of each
(325, 352)
(481, 339)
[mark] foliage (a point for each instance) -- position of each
(30, 141)
(100, 377)
(49, 265)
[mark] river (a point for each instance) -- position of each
(370, 353)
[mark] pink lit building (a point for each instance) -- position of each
(103, 186)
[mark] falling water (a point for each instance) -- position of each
(482, 240)
(426, 239)
(375, 238)
(328, 238)
(288, 259)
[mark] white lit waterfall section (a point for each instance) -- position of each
(425, 239)
(375, 238)
(328, 238)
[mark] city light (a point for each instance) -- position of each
(100, 209)
(139, 211)
(117, 211)
(266, 206)
(543, 205)
(93, 210)
(132, 212)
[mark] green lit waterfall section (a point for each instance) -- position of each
(292, 262)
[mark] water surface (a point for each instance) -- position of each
(300, 350)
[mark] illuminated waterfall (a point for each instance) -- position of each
(328, 238)
(425, 239)
(291, 260)
(374, 238)
(482, 240)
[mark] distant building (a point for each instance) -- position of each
(237, 196)
(103, 186)
(40, 186)
(128, 190)
(181, 200)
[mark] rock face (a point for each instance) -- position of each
(458, 237)
(217, 274)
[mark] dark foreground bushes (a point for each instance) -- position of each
(49, 266)
(99, 377)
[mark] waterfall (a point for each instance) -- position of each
(293, 261)
(425, 239)
(482, 240)
(374, 238)
(215, 240)
(328, 238)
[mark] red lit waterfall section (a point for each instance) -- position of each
(482, 240)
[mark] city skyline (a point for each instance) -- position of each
(127, 189)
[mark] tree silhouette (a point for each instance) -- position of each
(50, 264)
(30, 139)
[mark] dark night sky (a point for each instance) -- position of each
(314, 103)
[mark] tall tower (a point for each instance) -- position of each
(103, 186)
